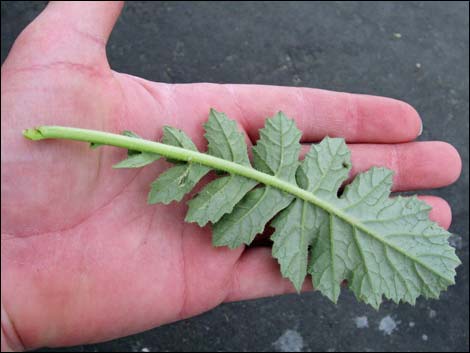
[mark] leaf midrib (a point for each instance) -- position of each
(183, 154)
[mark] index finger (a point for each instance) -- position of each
(318, 113)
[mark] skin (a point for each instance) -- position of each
(84, 259)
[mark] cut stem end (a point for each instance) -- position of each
(33, 134)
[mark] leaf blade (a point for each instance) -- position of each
(217, 198)
(249, 217)
(137, 160)
(291, 239)
(376, 265)
(277, 151)
(224, 139)
(176, 182)
(220, 196)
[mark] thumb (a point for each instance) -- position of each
(73, 32)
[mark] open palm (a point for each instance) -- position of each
(84, 258)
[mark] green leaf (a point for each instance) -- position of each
(323, 170)
(177, 181)
(224, 139)
(325, 167)
(129, 133)
(94, 145)
(293, 235)
(134, 135)
(217, 198)
(135, 159)
(221, 195)
(176, 137)
(276, 153)
(277, 150)
(249, 217)
(384, 247)
(392, 247)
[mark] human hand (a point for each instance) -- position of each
(84, 259)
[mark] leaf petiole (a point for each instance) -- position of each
(169, 151)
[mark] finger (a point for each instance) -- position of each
(417, 165)
(72, 32)
(94, 19)
(318, 113)
(441, 212)
(257, 274)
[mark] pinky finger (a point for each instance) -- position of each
(257, 275)
(440, 212)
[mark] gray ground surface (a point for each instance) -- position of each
(338, 46)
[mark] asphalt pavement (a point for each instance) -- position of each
(414, 51)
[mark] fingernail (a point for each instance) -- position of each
(420, 129)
